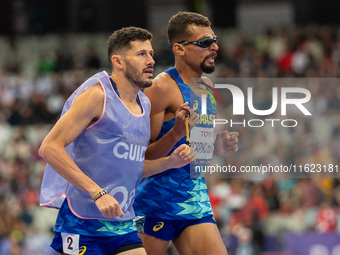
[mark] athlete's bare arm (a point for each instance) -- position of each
(166, 103)
(182, 156)
(86, 108)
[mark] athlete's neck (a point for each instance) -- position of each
(127, 91)
(186, 72)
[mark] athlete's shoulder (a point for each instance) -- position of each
(95, 92)
(207, 80)
(163, 81)
(144, 99)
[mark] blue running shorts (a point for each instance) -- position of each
(168, 229)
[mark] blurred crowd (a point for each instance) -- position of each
(29, 105)
(253, 213)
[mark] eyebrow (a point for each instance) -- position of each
(141, 51)
(206, 36)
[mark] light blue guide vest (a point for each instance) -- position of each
(110, 151)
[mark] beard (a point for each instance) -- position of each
(135, 76)
(205, 68)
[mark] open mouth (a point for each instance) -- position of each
(211, 57)
(149, 72)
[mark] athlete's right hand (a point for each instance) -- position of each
(179, 126)
(108, 206)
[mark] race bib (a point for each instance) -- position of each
(70, 243)
(201, 140)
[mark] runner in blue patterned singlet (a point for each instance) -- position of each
(175, 204)
(190, 201)
(95, 153)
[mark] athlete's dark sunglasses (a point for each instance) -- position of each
(203, 42)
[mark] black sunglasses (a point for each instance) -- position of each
(203, 42)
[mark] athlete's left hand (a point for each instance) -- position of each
(182, 156)
(226, 143)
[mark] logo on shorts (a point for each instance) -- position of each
(82, 250)
(158, 226)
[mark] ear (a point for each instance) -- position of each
(178, 49)
(117, 61)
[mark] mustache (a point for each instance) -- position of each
(213, 54)
(148, 67)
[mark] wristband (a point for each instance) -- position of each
(99, 194)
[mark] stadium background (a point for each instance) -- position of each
(47, 48)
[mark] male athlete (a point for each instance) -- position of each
(95, 153)
(175, 203)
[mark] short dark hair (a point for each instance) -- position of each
(178, 24)
(121, 39)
